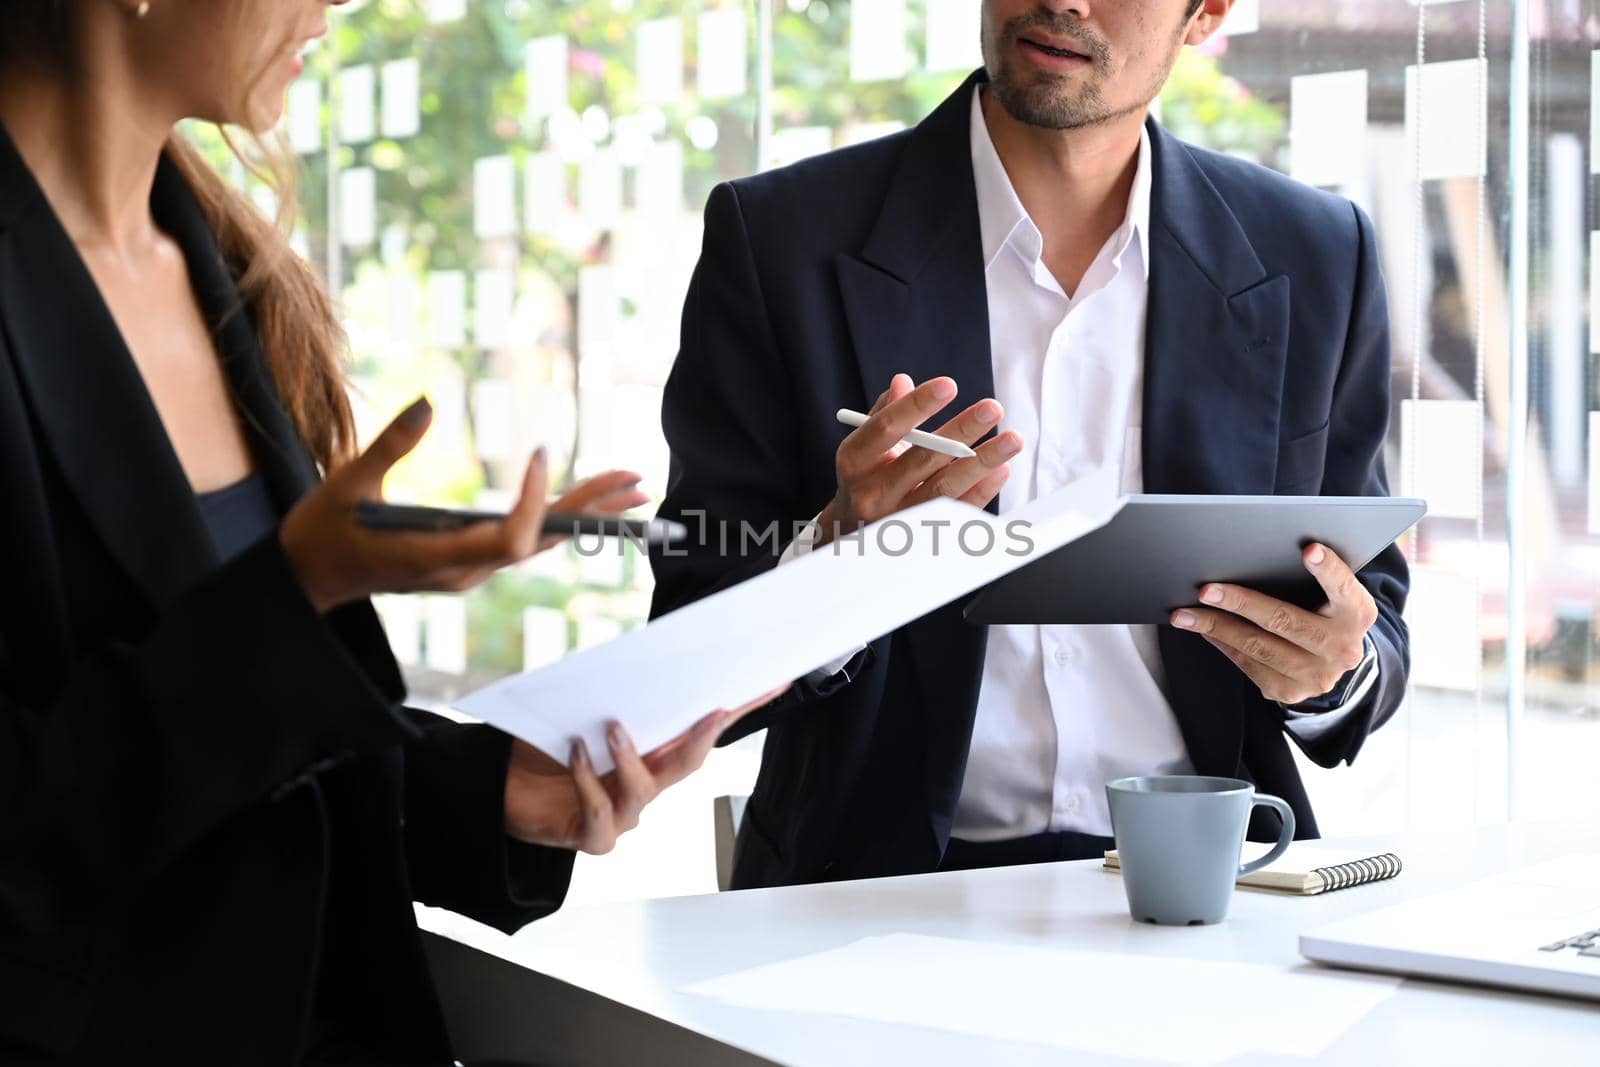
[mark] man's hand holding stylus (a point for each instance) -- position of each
(878, 476)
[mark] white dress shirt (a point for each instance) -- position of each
(1062, 710)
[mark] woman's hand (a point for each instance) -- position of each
(573, 807)
(610, 493)
(338, 561)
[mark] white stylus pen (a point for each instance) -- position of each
(931, 441)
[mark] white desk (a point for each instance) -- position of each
(601, 985)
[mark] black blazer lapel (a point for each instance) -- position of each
(915, 297)
(1215, 342)
(916, 301)
(91, 403)
(88, 396)
(280, 455)
(1215, 346)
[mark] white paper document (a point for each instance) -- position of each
(658, 193)
(1446, 105)
(546, 59)
(878, 30)
(402, 623)
(1594, 109)
(1243, 18)
(446, 10)
(1594, 288)
(1328, 127)
(736, 644)
(358, 207)
(494, 303)
(357, 90)
(950, 41)
(1594, 470)
(447, 309)
(1442, 612)
(659, 68)
(600, 189)
(402, 82)
(1144, 1008)
(494, 424)
(544, 636)
(305, 116)
(544, 192)
(1440, 457)
(445, 648)
(724, 54)
(494, 197)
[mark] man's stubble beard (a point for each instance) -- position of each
(1051, 104)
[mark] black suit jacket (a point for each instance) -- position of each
(1266, 371)
(214, 812)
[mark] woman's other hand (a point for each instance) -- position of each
(573, 807)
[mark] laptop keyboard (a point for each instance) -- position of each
(1587, 944)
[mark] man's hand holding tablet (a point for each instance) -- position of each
(1293, 655)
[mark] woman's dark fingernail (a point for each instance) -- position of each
(416, 416)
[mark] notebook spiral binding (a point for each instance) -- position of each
(1358, 872)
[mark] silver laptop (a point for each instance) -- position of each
(1537, 928)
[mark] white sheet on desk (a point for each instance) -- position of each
(1162, 1009)
(736, 644)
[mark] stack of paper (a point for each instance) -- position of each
(1148, 1009)
(741, 642)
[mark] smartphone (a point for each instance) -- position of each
(376, 515)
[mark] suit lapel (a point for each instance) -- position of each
(916, 301)
(92, 406)
(280, 456)
(91, 403)
(915, 297)
(1216, 342)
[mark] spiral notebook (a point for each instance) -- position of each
(1308, 869)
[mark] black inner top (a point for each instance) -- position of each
(238, 515)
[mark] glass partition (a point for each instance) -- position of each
(505, 195)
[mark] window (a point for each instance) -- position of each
(506, 197)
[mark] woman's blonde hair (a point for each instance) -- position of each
(304, 345)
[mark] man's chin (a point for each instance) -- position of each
(1050, 105)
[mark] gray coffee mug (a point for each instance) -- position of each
(1178, 841)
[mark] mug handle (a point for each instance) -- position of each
(1285, 838)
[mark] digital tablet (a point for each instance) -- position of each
(1156, 553)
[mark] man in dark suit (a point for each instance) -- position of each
(1111, 298)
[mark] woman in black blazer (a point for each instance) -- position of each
(215, 813)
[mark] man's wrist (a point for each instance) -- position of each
(820, 532)
(1352, 687)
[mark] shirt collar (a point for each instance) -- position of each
(1002, 219)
